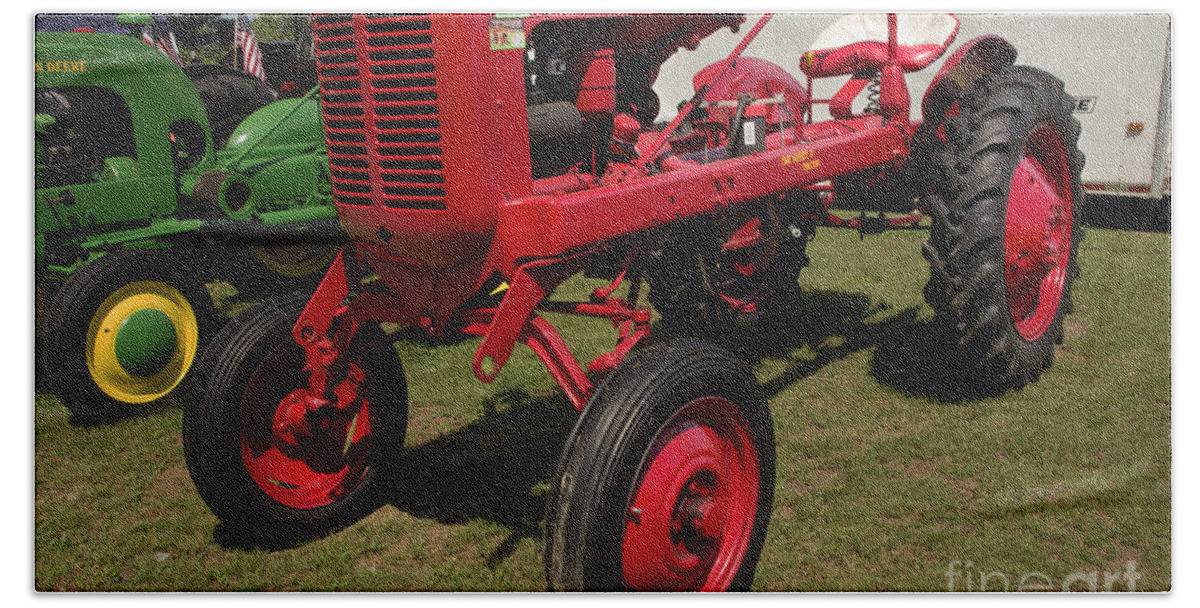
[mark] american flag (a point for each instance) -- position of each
(243, 38)
(158, 34)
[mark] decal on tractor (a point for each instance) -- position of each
(805, 158)
(60, 66)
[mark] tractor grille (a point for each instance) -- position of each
(379, 95)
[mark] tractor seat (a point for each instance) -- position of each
(751, 75)
(857, 43)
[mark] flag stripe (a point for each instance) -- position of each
(163, 39)
(251, 56)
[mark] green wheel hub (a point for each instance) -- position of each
(145, 342)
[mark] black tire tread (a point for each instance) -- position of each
(63, 361)
(211, 434)
(970, 180)
(591, 467)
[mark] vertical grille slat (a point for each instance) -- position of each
(379, 93)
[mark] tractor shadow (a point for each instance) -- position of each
(497, 468)
(813, 328)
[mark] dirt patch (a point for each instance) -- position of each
(372, 562)
(966, 487)
(917, 467)
(1074, 329)
(170, 484)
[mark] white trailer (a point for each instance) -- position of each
(1117, 65)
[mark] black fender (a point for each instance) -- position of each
(975, 58)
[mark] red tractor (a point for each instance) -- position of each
(478, 162)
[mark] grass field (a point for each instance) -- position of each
(881, 485)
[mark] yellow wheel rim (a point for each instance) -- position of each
(141, 299)
(296, 259)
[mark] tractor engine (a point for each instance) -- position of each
(434, 121)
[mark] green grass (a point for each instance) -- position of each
(881, 485)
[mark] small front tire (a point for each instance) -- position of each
(267, 465)
(667, 480)
(122, 333)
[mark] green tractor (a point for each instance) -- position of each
(137, 213)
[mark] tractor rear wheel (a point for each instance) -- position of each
(293, 260)
(229, 96)
(666, 482)
(122, 333)
(276, 462)
(1003, 243)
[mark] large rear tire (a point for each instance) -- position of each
(666, 482)
(1002, 248)
(123, 332)
(266, 465)
(229, 96)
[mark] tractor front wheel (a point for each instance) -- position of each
(1002, 248)
(666, 482)
(122, 333)
(293, 261)
(275, 461)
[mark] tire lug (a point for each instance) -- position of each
(635, 515)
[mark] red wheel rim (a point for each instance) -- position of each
(691, 512)
(304, 453)
(1037, 235)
